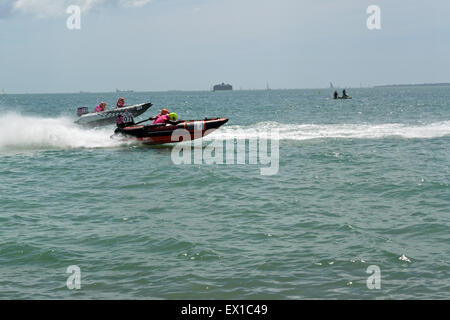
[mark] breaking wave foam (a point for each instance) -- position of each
(342, 131)
(19, 132)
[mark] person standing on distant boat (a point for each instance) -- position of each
(344, 94)
(120, 103)
(335, 95)
(101, 107)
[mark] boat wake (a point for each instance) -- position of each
(25, 133)
(336, 131)
(20, 132)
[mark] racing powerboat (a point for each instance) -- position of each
(107, 117)
(164, 132)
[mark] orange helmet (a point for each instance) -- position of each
(164, 111)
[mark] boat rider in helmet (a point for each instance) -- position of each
(173, 117)
(101, 107)
(163, 117)
(120, 103)
(335, 94)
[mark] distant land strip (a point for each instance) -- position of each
(416, 85)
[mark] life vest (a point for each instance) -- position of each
(99, 108)
(161, 118)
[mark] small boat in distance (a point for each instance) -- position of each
(344, 95)
(347, 97)
(222, 87)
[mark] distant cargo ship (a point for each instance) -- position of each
(124, 91)
(222, 86)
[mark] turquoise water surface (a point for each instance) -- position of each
(360, 182)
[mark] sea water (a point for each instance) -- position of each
(361, 185)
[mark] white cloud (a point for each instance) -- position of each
(55, 8)
(134, 3)
(39, 8)
(89, 4)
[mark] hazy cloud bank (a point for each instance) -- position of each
(54, 8)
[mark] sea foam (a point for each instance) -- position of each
(342, 131)
(22, 132)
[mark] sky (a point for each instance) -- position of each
(157, 45)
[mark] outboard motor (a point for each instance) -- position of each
(82, 110)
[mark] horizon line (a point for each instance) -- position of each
(3, 92)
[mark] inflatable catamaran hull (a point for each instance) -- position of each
(162, 133)
(344, 98)
(107, 117)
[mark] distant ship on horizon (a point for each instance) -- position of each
(124, 91)
(222, 86)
